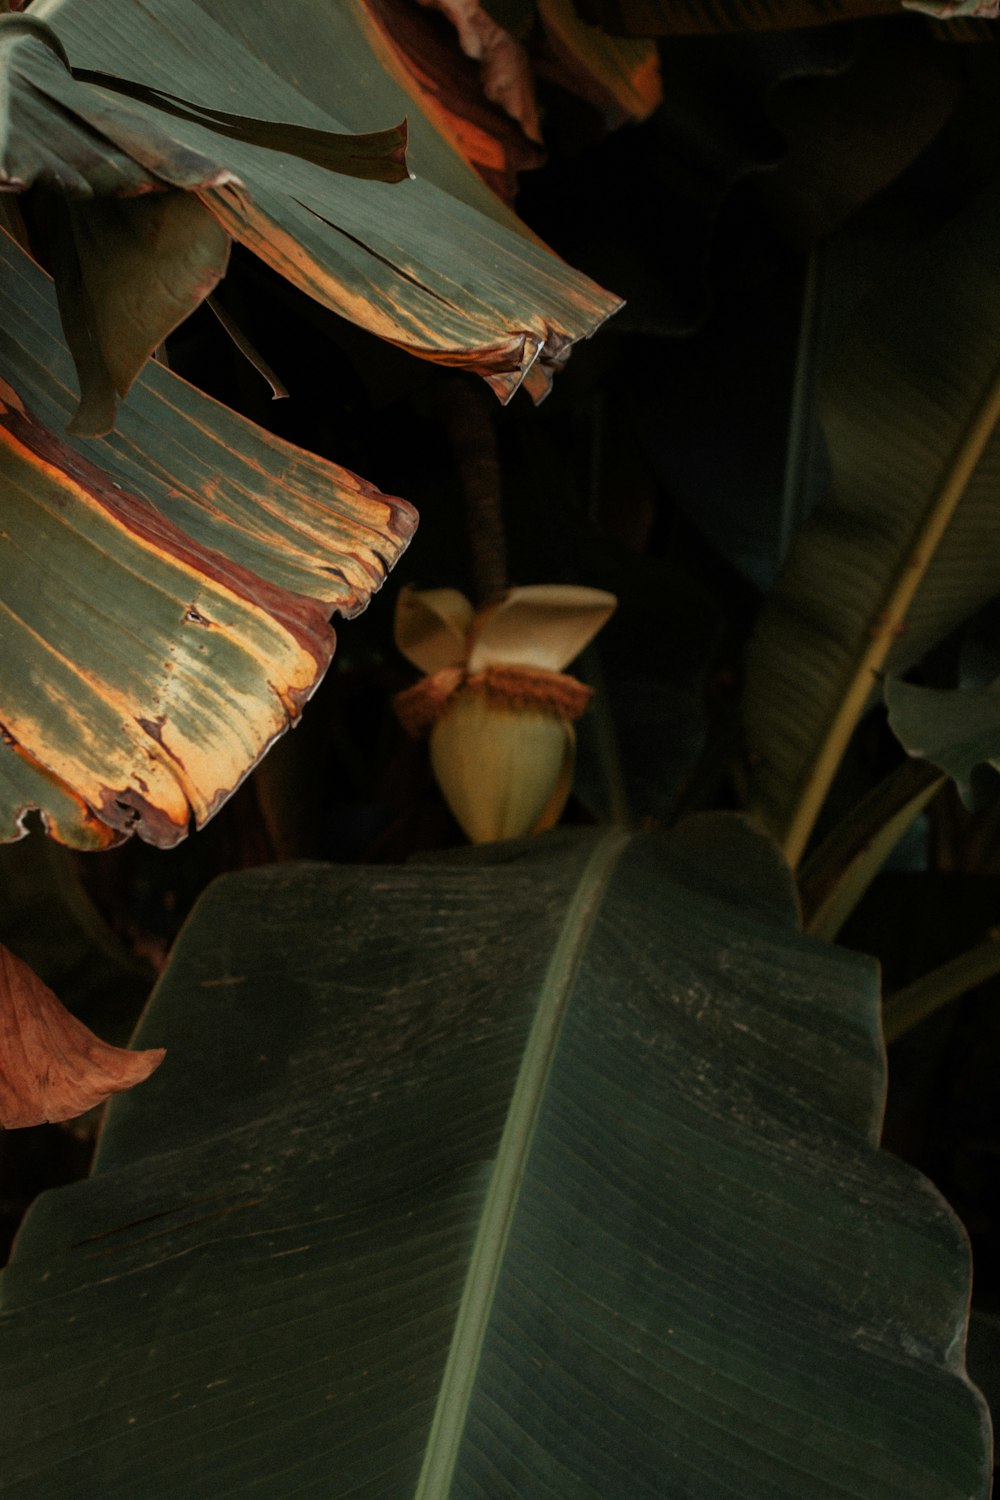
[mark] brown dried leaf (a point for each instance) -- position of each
(506, 69)
(51, 1066)
(428, 61)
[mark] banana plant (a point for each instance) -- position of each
(532, 1170)
(902, 550)
(597, 1210)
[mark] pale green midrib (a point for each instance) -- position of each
(483, 1274)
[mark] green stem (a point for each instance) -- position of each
(837, 874)
(891, 620)
(948, 982)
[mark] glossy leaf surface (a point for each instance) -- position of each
(550, 1171)
(164, 594)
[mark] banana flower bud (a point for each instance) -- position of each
(497, 704)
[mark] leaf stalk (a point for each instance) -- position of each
(889, 624)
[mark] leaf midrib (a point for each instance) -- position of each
(490, 1244)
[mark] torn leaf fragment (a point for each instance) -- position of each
(51, 1066)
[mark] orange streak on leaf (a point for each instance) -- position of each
(190, 773)
(495, 129)
(83, 829)
(305, 619)
(51, 1066)
(399, 325)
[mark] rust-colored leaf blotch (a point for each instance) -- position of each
(51, 1066)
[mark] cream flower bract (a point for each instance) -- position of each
(496, 701)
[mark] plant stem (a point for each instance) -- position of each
(885, 630)
(948, 982)
(837, 874)
(471, 421)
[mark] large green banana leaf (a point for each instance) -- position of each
(549, 1171)
(250, 98)
(165, 593)
(904, 548)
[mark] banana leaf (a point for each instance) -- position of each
(956, 729)
(620, 78)
(480, 96)
(841, 868)
(904, 547)
(545, 1171)
(135, 251)
(247, 106)
(25, 786)
(852, 133)
(165, 593)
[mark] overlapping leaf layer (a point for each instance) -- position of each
(164, 593)
(547, 1171)
(437, 264)
(904, 548)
